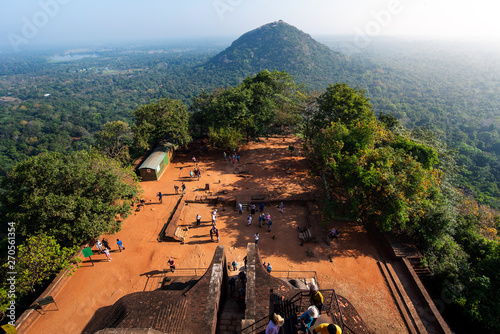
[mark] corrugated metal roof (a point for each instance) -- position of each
(154, 159)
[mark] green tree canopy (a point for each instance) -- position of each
(341, 103)
(38, 258)
(73, 197)
(165, 119)
(225, 138)
(377, 182)
(251, 107)
(114, 139)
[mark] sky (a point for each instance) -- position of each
(35, 22)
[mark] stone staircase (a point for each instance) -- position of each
(421, 270)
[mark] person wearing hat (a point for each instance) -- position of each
(307, 319)
(327, 328)
(274, 325)
(315, 297)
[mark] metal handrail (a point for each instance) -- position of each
(256, 329)
(298, 299)
(197, 271)
(340, 311)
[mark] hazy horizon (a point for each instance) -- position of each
(30, 23)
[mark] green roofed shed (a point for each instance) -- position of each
(154, 166)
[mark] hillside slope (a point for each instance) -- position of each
(279, 46)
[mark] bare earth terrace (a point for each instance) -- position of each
(267, 168)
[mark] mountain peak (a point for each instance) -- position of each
(276, 46)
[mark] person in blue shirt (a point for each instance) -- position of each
(120, 244)
(307, 319)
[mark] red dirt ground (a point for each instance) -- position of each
(353, 271)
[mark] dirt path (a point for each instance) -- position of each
(353, 270)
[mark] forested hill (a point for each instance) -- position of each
(279, 46)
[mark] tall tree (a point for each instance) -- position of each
(39, 257)
(166, 119)
(73, 197)
(114, 140)
(275, 99)
(341, 103)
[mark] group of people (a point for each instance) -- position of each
(196, 172)
(233, 158)
(307, 319)
(183, 187)
(214, 231)
(265, 219)
(104, 247)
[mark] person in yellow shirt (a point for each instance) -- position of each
(315, 297)
(327, 329)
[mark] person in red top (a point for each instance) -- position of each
(171, 263)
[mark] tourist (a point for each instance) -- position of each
(315, 297)
(160, 196)
(98, 244)
(275, 324)
(252, 209)
(176, 188)
(106, 243)
(225, 156)
(307, 319)
(183, 186)
(240, 208)
(240, 298)
(120, 244)
(256, 238)
(217, 234)
(326, 328)
(249, 218)
(191, 174)
(269, 223)
(281, 207)
(261, 207)
(334, 233)
(198, 219)
(212, 233)
(171, 263)
(235, 265)
(108, 256)
(262, 219)
(242, 276)
(232, 285)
